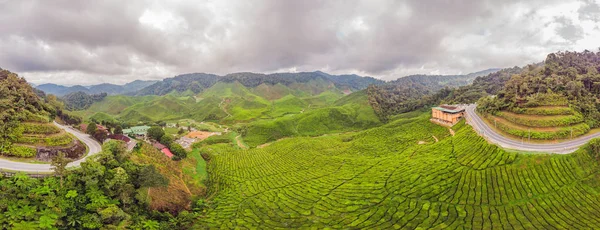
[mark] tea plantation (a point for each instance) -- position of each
(408, 174)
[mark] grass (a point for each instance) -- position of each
(195, 174)
(381, 178)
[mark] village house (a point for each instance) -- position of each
(136, 131)
(163, 149)
(447, 115)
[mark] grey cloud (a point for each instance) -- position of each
(590, 10)
(568, 30)
(106, 41)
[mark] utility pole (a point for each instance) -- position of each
(529, 135)
(495, 126)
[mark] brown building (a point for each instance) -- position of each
(447, 114)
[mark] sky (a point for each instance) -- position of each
(115, 41)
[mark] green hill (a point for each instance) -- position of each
(230, 102)
(350, 113)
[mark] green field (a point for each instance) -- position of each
(381, 178)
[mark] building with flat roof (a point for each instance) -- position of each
(447, 114)
(137, 130)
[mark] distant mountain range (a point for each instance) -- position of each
(195, 83)
(111, 89)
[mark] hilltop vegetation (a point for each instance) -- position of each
(567, 78)
(80, 100)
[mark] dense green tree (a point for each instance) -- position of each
(179, 152)
(80, 100)
(118, 130)
(91, 128)
(155, 133)
(166, 140)
(100, 135)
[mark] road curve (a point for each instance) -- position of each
(488, 133)
(93, 146)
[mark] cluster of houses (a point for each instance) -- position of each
(136, 131)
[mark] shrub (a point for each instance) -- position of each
(46, 129)
(562, 133)
(549, 98)
(544, 111)
(543, 121)
(20, 151)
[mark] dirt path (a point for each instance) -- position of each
(451, 131)
(436, 140)
(222, 107)
(239, 142)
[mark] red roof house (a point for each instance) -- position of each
(167, 152)
(163, 149)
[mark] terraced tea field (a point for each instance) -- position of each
(541, 123)
(382, 179)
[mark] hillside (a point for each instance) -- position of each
(80, 100)
(566, 81)
(25, 128)
(229, 102)
(417, 91)
(408, 174)
(349, 113)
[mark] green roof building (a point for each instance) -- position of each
(137, 130)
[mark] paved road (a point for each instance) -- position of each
(93, 146)
(488, 133)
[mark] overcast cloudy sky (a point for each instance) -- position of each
(89, 42)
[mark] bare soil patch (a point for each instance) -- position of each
(200, 135)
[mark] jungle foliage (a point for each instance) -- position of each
(565, 78)
(106, 192)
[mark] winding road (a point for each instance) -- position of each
(488, 133)
(93, 146)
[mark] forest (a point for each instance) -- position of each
(418, 91)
